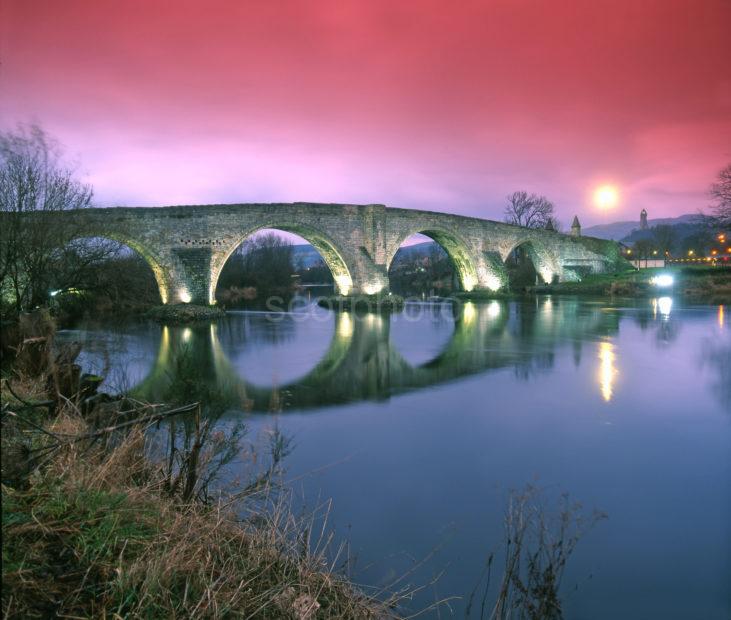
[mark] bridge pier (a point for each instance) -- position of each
(189, 276)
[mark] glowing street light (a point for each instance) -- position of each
(662, 280)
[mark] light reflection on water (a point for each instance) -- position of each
(607, 370)
(433, 414)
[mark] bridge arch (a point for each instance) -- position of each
(162, 276)
(542, 259)
(323, 243)
(455, 247)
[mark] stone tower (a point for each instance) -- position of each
(576, 227)
(643, 219)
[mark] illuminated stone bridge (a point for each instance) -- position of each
(187, 246)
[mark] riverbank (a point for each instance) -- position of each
(701, 284)
(183, 313)
(96, 533)
(66, 315)
(365, 303)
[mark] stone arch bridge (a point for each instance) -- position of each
(187, 246)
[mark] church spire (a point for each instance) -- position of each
(576, 227)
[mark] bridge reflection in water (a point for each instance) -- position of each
(363, 362)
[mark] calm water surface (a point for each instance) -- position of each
(418, 426)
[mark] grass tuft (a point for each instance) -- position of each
(96, 533)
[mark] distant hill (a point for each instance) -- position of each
(618, 231)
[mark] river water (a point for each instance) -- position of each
(418, 425)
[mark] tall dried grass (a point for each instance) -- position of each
(98, 533)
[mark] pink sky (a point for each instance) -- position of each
(417, 104)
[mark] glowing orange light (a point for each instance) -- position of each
(721, 318)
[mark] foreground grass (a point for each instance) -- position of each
(96, 533)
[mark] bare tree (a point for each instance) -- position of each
(529, 210)
(721, 193)
(34, 188)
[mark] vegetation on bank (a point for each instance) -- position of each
(365, 303)
(183, 313)
(422, 270)
(695, 283)
(486, 295)
(97, 533)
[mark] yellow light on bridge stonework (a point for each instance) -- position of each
(344, 283)
(469, 283)
(372, 289)
(606, 197)
(493, 282)
(184, 296)
(607, 370)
